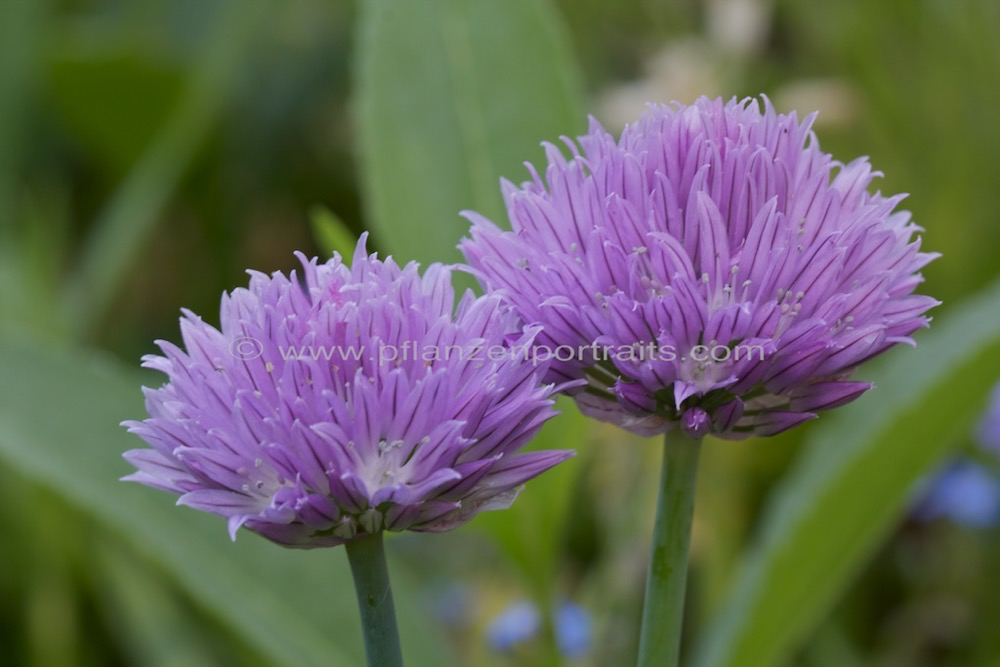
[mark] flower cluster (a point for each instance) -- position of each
(714, 224)
(312, 453)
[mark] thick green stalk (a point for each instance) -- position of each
(663, 611)
(378, 615)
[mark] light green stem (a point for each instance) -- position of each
(378, 615)
(663, 611)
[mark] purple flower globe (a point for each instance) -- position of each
(351, 402)
(711, 270)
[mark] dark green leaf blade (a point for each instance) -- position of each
(852, 484)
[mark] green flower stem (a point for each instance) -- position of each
(663, 611)
(378, 616)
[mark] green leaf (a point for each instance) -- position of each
(158, 631)
(21, 24)
(124, 226)
(852, 484)
(452, 95)
(59, 415)
(331, 234)
(143, 92)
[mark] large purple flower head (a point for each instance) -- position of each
(711, 269)
(354, 403)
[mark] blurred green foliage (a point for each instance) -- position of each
(150, 152)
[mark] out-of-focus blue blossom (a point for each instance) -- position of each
(964, 491)
(521, 622)
(452, 604)
(516, 624)
(573, 630)
(988, 433)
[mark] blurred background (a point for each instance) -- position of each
(151, 152)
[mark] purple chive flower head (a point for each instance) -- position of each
(711, 269)
(351, 402)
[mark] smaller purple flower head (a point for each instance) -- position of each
(353, 401)
(711, 269)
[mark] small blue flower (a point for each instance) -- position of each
(573, 630)
(988, 432)
(516, 624)
(452, 604)
(965, 492)
(520, 622)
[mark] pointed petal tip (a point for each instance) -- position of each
(234, 524)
